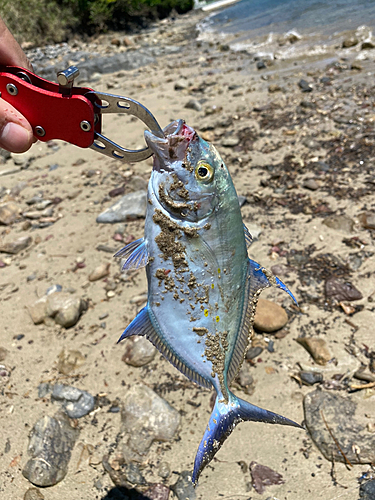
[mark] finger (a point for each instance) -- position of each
(16, 134)
(11, 53)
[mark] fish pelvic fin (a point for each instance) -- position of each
(134, 254)
(263, 278)
(223, 420)
(141, 325)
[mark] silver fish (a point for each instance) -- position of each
(202, 286)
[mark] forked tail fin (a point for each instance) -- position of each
(223, 420)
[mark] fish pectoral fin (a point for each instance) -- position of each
(223, 420)
(260, 278)
(248, 237)
(135, 255)
(141, 325)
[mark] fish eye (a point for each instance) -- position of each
(204, 172)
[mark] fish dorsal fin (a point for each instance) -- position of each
(145, 324)
(259, 278)
(248, 237)
(135, 255)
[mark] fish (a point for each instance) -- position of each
(202, 286)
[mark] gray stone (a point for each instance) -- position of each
(230, 141)
(16, 246)
(76, 403)
(349, 42)
(194, 104)
(64, 308)
(310, 184)
(367, 490)
(157, 491)
(304, 86)
(130, 207)
(347, 422)
(339, 222)
(38, 310)
(138, 351)
(33, 494)
(180, 85)
(147, 417)
(137, 183)
(261, 65)
(53, 289)
(164, 470)
(50, 445)
(311, 378)
(183, 488)
(242, 200)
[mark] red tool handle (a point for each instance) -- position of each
(51, 114)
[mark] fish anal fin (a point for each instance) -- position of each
(223, 420)
(141, 325)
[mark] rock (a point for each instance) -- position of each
(157, 492)
(69, 360)
(261, 64)
(368, 44)
(246, 380)
(164, 470)
(130, 207)
(274, 88)
(33, 494)
(356, 66)
(304, 86)
(339, 222)
(350, 42)
(230, 141)
(269, 316)
(50, 445)
(64, 308)
(38, 311)
(194, 104)
(338, 289)
(367, 490)
(263, 476)
(254, 352)
(310, 184)
(317, 348)
(76, 403)
(181, 85)
(16, 246)
(53, 288)
(134, 475)
(311, 378)
(346, 421)
(4, 375)
(9, 212)
(116, 191)
(3, 353)
(100, 272)
(183, 488)
(367, 220)
(138, 351)
(242, 200)
(137, 183)
(147, 417)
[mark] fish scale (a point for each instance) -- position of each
(202, 287)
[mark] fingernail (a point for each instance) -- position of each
(15, 138)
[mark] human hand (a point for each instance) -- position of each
(16, 133)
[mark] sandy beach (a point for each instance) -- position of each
(297, 134)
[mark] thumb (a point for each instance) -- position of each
(16, 134)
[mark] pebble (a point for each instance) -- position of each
(338, 289)
(349, 42)
(50, 445)
(33, 494)
(9, 212)
(193, 104)
(138, 351)
(311, 378)
(345, 419)
(130, 207)
(261, 64)
(230, 141)
(304, 86)
(16, 246)
(310, 184)
(317, 347)
(246, 380)
(367, 220)
(273, 87)
(339, 222)
(368, 44)
(164, 470)
(184, 488)
(263, 476)
(38, 310)
(100, 272)
(367, 490)
(157, 492)
(137, 183)
(269, 316)
(147, 417)
(254, 352)
(69, 360)
(64, 308)
(4, 375)
(76, 402)
(181, 85)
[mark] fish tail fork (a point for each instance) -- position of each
(223, 420)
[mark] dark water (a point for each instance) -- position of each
(279, 16)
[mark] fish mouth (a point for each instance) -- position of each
(172, 147)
